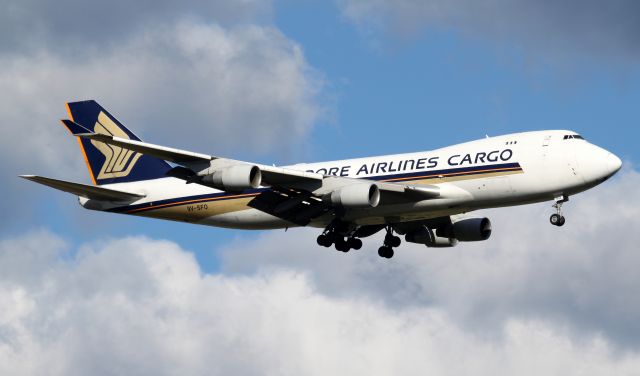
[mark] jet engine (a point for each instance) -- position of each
(468, 230)
(356, 196)
(235, 178)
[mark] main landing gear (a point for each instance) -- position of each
(343, 244)
(390, 241)
(557, 219)
(344, 239)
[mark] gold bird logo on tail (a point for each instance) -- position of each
(118, 161)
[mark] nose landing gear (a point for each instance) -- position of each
(557, 219)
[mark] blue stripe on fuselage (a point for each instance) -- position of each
(419, 175)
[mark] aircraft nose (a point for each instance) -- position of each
(596, 164)
(605, 163)
(613, 163)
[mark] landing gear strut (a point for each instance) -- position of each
(333, 236)
(390, 241)
(557, 219)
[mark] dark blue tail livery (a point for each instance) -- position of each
(107, 163)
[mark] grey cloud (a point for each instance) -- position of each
(196, 86)
(216, 89)
(71, 25)
(582, 276)
(553, 30)
(143, 306)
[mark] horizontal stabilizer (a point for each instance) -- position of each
(75, 128)
(83, 190)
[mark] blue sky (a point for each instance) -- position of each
(438, 88)
(386, 93)
(300, 81)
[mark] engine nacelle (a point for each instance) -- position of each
(235, 178)
(356, 196)
(468, 230)
(425, 236)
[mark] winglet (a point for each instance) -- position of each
(75, 128)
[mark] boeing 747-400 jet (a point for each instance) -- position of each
(422, 196)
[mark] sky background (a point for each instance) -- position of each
(298, 81)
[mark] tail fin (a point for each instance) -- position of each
(107, 163)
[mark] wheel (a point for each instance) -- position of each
(561, 222)
(354, 243)
(323, 240)
(391, 240)
(386, 252)
(390, 253)
(342, 245)
(555, 219)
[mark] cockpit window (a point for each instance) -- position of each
(573, 136)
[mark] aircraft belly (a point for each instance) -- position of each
(227, 213)
(194, 211)
(248, 219)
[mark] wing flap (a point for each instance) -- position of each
(83, 190)
(294, 206)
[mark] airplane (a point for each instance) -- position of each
(423, 196)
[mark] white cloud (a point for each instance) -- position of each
(206, 87)
(582, 276)
(142, 306)
(246, 90)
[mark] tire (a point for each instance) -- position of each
(355, 243)
(561, 222)
(555, 219)
(386, 252)
(395, 242)
(342, 245)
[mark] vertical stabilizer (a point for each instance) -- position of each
(108, 163)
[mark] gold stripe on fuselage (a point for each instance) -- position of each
(198, 209)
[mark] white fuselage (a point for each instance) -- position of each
(499, 171)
